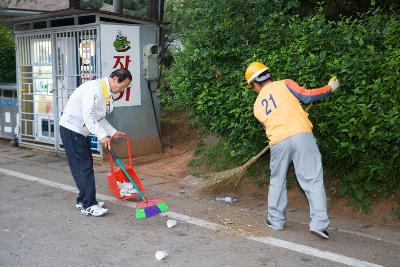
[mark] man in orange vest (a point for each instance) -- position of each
(290, 135)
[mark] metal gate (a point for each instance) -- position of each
(50, 66)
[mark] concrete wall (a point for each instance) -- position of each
(139, 121)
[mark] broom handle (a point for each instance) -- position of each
(127, 175)
(256, 157)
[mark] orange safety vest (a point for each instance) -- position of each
(280, 112)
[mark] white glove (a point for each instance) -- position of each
(334, 83)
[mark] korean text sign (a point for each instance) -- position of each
(120, 48)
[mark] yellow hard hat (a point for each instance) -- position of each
(253, 70)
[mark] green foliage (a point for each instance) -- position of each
(357, 127)
(259, 172)
(91, 4)
(132, 7)
(215, 156)
(135, 7)
(7, 55)
(218, 157)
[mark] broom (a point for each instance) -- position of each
(228, 180)
(146, 208)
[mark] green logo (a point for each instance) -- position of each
(121, 43)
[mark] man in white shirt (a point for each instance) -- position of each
(85, 113)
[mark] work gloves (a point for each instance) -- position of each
(334, 83)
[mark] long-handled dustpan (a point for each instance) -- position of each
(146, 208)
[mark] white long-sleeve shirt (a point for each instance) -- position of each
(87, 107)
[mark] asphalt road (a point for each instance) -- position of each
(39, 226)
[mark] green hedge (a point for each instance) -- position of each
(357, 128)
(7, 55)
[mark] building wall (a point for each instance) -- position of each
(138, 121)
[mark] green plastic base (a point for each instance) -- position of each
(162, 206)
(140, 214)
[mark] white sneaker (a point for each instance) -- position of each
(320, 233)
(273, 227)
(79, 205)
(95, 210)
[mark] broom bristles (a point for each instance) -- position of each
(223, 181)
(226, 181)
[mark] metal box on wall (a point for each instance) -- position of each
(8, 110)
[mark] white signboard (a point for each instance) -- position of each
(120, 48)
(7, 117)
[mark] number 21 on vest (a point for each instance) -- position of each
(265, 102)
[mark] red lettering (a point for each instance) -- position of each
(120, 96)
(127, 96)
(118, 62)
(128, 93)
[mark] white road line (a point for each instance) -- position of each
(209, 225)
(368, 236)
(313, 252)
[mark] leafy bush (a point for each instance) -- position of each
(92, 4)
(356, 127)
(7, 55)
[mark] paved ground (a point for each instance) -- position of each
(39, 226)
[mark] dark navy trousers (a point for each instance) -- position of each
(80, 159)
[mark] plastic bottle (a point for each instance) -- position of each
(225, 199)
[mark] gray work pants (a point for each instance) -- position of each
(302, 150)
